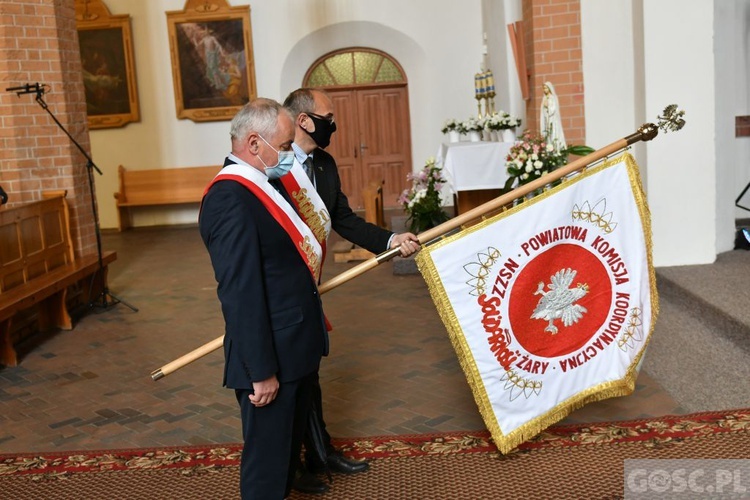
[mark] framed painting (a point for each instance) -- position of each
(212, 59)
(107, 62)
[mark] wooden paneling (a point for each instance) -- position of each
(35, 240)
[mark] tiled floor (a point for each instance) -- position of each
(391, 370)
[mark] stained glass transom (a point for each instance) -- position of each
(356, 67)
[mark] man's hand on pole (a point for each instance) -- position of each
(407, 242)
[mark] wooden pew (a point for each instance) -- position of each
(372, 195)
(158, 187)
(38, 266)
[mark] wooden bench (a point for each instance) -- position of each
(38, 266)
(161, 186)
(372, 195)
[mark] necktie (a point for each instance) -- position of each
(308, 166)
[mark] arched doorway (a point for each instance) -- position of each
(373, 137)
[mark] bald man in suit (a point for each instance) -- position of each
(313, 112)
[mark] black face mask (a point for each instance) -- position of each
(324, 129)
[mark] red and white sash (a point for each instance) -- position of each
(310, 208)
(256, 182)
(308, 202)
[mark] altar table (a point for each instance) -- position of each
(475, 171)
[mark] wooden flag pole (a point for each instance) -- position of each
(671, 121)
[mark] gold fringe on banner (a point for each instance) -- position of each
(623, 387)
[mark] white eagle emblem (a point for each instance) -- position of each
(558, 302)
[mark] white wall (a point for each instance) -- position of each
(608, 69)
(496, 15)
(682, 193)
(673, 65)
(437, 42)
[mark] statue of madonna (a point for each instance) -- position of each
(550, 123)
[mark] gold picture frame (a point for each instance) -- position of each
(212, 59)
(106, 47)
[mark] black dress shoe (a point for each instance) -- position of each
(341, 464)
(306, 482)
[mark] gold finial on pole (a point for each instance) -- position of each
(671, 121)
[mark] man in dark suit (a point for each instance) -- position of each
(267, 285)
(312, 111)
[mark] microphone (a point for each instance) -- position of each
(29, 88)
(3, 196)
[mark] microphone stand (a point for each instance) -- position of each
(103, 299)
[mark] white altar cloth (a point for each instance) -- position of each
(470, 166)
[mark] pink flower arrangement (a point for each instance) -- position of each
(422, 202)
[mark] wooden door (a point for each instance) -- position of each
(385, 142)
(372, 141)
(345, 145)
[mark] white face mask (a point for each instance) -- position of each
(282, 167)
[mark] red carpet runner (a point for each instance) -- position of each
(573, 461)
